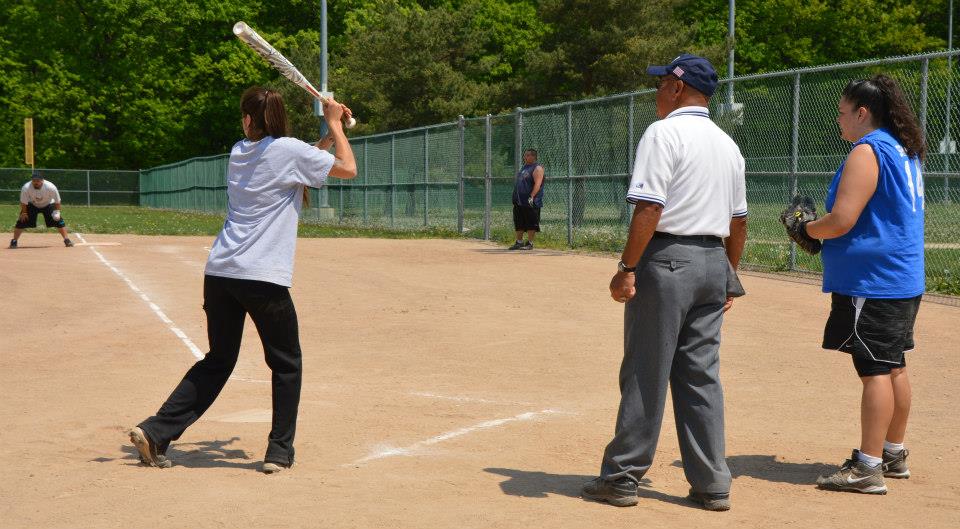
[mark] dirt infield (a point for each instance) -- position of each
(447, 384)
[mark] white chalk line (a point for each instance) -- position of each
(385, 451)
(463, 399)
(157, 310)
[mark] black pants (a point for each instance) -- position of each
(227, 302)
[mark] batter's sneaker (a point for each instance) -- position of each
(516, 246)
(622, 492)
(147, 450)
(710, 502)
(68, 243)
(855, 476)
(13, 243)
(273, 468)
(895, 464)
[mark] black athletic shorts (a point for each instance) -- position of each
(526, 218)
(875, 332)
(33, 211)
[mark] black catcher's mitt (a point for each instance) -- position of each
(799, 212)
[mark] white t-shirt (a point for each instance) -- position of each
(687, 164)
(265, 181)
(41, 198)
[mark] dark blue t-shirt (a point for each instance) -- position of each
(523, 186)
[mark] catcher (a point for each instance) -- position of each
(873, 267)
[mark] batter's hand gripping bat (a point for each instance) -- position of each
(278, 61)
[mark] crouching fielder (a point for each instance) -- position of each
(874, 269)
(39, 196)
(249, 271)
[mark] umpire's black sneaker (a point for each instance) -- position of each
(13, 243)
(269, 467)
(710, 502)
(68, 243)
(516, 246)
(622, 492)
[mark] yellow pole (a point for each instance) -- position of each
(28, 141)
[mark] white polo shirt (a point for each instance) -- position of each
(41, 198)
(689, 165)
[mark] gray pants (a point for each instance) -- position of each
(672, 334)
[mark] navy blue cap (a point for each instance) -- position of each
(37, 175)
(691, 69)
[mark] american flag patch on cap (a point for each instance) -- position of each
(678, 71)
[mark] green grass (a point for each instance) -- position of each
(601, 231)
(142, 221)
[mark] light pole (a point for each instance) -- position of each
(730, 28)
(947, 145)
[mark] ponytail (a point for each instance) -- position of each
(267, 113)
(890, 109)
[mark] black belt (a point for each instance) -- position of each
(698, 238)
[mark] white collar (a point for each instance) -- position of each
(690, 111)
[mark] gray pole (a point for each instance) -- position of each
(460, 126)
(88, 187)
(946, 126)
(426, 177)
(569, 176)
(730, 27)
(366, 181)
(393, 178)
(518, 144)
(794, 155)
(323, 45)
(488, 194)
(631, 152)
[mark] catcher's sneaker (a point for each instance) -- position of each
(13, 243)
(272, 468)
(516, 246)
(710, 502)
(855, 476)
(622, 492)
(527, 246)
(895, 464)
(68, 243)
(148, 450)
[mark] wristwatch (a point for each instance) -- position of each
(624, 268)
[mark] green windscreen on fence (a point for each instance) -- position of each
(460, 175)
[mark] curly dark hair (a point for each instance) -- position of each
(885, 100)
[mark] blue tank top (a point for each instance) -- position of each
(882, 255)
(523, 186)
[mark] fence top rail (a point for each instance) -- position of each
(189, 160)
(406, 131)
(45, 169)
(845, 65)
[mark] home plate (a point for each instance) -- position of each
(247, 416)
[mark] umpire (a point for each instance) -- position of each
(689, 191)
(39, 196)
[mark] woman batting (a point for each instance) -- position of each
(249, 271)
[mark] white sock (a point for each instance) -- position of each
(892, 447)
(869, 460)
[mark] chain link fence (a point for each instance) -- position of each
(77, 186)
(460, 175)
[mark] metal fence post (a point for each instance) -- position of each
(631, 152)
(426, 177)
(460, 127)
(946, 129)
(366, 180)
(569, 176)
(393, 177)
(794, 155)
(487, 183)
(518, 144)
(88, 187)
(924, 82)
(341, 202)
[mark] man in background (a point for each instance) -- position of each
(39, 196)
(527, 200)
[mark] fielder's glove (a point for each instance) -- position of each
(798, 213)
(530, 202)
